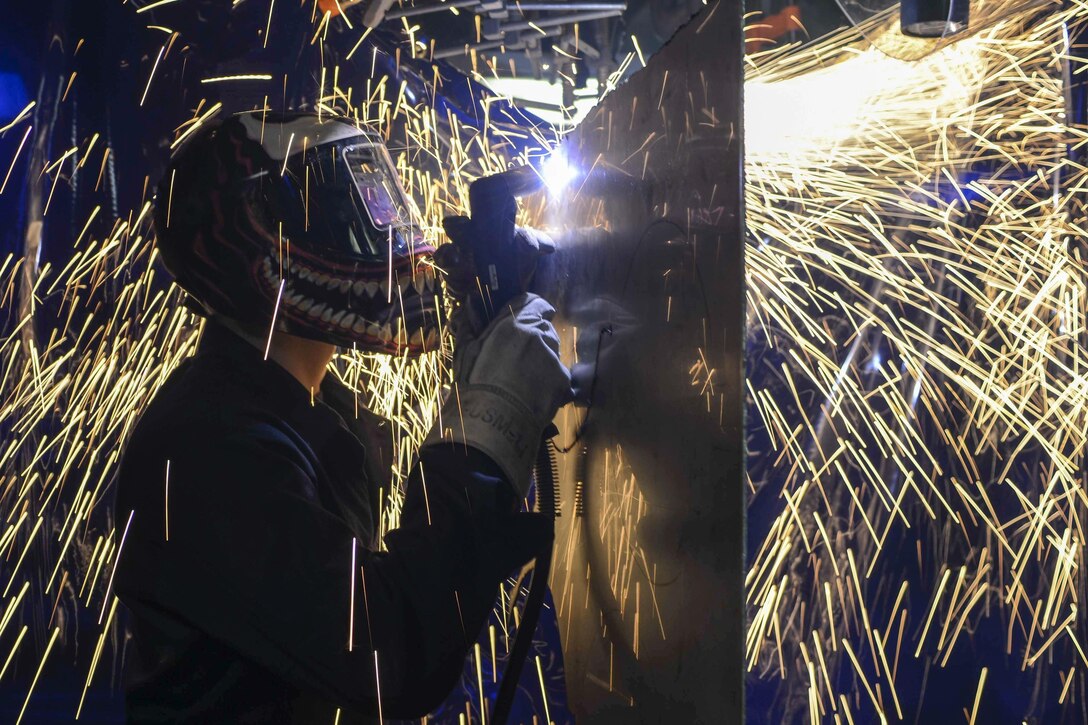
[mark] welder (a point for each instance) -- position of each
(248, 496)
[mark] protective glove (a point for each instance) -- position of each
(458, 266)
(508, 383)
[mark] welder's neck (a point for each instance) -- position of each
(306, 360)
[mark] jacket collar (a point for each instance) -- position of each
(278, 389)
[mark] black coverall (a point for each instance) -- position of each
(237, 566)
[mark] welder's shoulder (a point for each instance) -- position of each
(200, 426)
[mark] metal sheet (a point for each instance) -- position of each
(649, 285)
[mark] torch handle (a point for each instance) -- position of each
(493, 209)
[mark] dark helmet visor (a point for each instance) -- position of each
(344, 200)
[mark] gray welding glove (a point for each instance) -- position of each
(508, 383)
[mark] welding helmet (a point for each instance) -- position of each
(301, 222)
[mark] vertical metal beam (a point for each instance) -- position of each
(649, 284)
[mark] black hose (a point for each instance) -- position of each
(546, 496)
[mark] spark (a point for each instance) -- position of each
(426, 498)
(19, 117)
(14, 649)
(152, 6)
(978, 696)
(351, 598)
(378, 688)
(166, 502)
(272, 325)
(239, 77)
(543, 690)
(359, 42)
(480, 682)
(888, 253)
(494, 658)
(15, 158)
(366, 603)
(109, 586)
(19, 561)
(287, 153)
(41, 666)
(638, 50)
(268, 25)
(151, 75)
(196, 123)
(13, 605)
(97, 655)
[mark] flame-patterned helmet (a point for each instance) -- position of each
(299, 220)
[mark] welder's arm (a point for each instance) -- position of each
(255, 562)
(508, 383)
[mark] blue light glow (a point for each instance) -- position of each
(557, 173)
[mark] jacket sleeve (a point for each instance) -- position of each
(254, 561)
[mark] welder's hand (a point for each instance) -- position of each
(508, 384)
(456, 261)
(532, 244)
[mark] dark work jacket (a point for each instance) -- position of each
(236, 565)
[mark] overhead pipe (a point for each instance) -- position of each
(427, 9)
(526, 7)
(508, 45)
(562, 20)
(546, 7)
